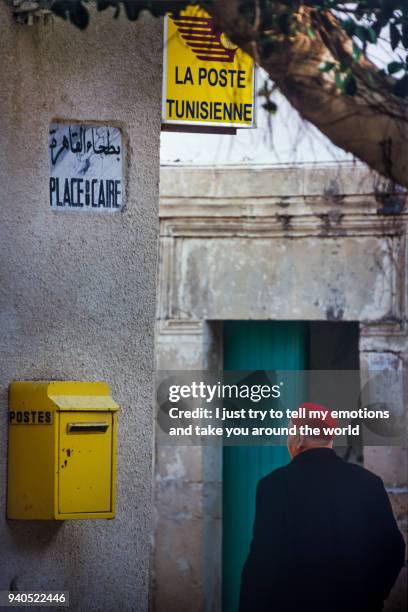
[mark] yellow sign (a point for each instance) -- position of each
(207, 79)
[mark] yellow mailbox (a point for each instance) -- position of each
(62, 450)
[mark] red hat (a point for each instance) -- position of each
(321, 417)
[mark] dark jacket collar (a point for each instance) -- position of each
(315, 454)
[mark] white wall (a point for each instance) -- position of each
(77, 292)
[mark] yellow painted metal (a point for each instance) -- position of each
(85, 490)
(62, 450)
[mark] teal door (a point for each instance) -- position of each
(253, 345)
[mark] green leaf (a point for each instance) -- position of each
(404, 38)
(101, 5)
(270, 107)
(394, 67)
(345, 64)
(401, 87)
(360, 32)
(158, 9)
(326, 66)
(356, 52)
(377, 26)
(338, 81)
(371, 35)
(350, 85)
(349, 26)
(132, 11)
(365, 34)
(60, 8)
(395, 36)
(311, 33)
(79, 15)
(387, 10)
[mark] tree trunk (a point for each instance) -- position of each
(372, 125)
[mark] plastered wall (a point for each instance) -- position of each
(77, 291)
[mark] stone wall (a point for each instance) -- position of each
(301, 243)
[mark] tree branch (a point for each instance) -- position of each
(372, 125)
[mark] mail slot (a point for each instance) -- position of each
(62, 450)
(87, 427)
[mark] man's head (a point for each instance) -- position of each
(310, 423)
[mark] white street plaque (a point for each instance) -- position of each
(85, 167)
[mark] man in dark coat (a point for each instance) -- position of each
(325, 538)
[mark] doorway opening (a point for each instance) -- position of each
(270, 345)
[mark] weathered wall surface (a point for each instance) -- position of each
(296, 243)
(266, 272)
(77, 292)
